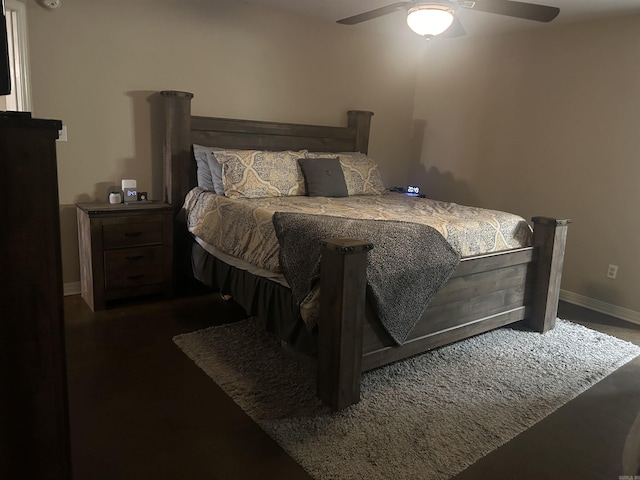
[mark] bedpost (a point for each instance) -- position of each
(176, 150)
(342, 290)
(549, 238)
(361, 121)
(178, 177)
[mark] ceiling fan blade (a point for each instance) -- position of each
(455, 30)
(528, 11)
(370, 15)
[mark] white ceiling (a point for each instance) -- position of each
(474, 22)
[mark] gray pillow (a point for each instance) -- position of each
(209, 170)
(203, 171)
(323, 177)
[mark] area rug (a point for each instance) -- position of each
(430, 416)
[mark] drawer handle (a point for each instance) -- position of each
(135, 277)
(134, 257)
(132, 234)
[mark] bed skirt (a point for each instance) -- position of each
(260, 297)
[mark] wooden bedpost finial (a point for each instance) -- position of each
(176, 93)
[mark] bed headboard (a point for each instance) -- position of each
(181, 130)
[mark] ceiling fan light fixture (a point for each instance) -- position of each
(430, 20)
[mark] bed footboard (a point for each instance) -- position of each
(532, 297)
(343, 279)
(549, 238)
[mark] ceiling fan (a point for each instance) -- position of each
(438, 17)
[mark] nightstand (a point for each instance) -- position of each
(125, 251)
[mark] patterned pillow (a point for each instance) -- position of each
(360, 172)
(259, 174)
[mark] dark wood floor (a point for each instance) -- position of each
(140, 409)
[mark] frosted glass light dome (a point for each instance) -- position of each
(430, 20)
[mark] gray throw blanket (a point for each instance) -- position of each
(406, 268)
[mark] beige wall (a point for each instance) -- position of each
(544, 123)
(95, 65)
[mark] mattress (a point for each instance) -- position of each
(241, 232)
(243, 228)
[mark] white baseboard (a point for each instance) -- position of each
(71, 288)
(600, 306)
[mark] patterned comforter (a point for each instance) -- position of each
(244, 229)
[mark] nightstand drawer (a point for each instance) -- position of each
(130, 234)
(133, 267)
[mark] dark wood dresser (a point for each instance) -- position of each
(34, 426)
(125, 251)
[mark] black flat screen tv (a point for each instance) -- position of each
(5, 78)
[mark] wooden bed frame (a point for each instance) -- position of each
(485, 292)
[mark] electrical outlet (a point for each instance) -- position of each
(613, 271)
(62, 134)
